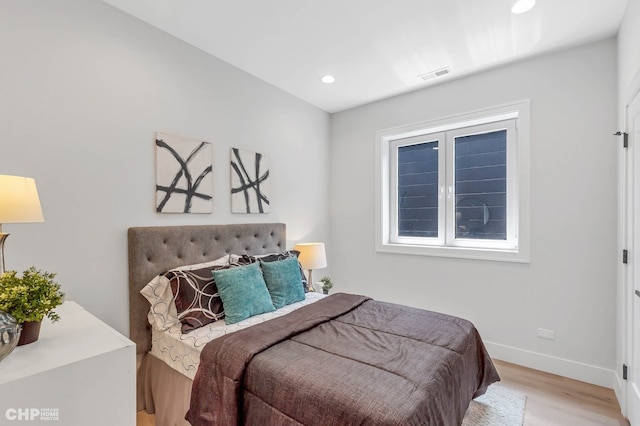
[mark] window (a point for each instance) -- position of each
(457, 187)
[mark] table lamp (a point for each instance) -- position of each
(19, 203)
(312, 256)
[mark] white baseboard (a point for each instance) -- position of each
(620, 391)
(554, 365)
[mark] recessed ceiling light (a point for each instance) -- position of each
(328, 79)
(522, 6)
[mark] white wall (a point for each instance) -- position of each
(628, 43)
(569, 285)
(83, 89)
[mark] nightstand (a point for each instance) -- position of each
(79, 372)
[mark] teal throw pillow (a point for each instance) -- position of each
(243, 292)
(283, 281)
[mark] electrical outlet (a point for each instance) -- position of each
(546, 334)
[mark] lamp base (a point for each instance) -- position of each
(3, 237)
(310, 281)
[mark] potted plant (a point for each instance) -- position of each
(326, 284)
(29, 299)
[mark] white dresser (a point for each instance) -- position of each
(79, 372)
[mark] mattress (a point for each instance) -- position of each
(182, 351)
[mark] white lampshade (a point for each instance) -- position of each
(312, 255)
(19, 200)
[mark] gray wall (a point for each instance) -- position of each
(569, 284)
(83, 89)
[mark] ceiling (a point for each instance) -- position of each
(374, 48)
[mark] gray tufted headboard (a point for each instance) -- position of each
(153, 250)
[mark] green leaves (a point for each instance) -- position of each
(326, 283)
(31, 297)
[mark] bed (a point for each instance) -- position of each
(342, 359)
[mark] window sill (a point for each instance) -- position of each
(517, 255)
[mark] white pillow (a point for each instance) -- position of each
(163, 313)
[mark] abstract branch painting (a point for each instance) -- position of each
(184, 182)
(249, 182)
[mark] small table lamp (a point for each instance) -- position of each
(19, 202)
(312, 256)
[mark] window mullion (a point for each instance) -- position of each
(448, 210)
(442, 190)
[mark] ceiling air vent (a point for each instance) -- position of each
(434, 74)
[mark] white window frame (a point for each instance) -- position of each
(394, 144)
(516, 247)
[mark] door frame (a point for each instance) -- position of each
(629, 161)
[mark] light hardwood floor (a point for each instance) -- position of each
(551, 400)
(557, 401)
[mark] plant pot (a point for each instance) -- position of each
(325, 291)
(30, 332)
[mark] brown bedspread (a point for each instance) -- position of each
(344, 360)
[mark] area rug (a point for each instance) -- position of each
(499, 406)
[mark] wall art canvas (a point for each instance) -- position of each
(184, 182)
(249, 182)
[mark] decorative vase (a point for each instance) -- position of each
(9, 334)
(30, 332)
